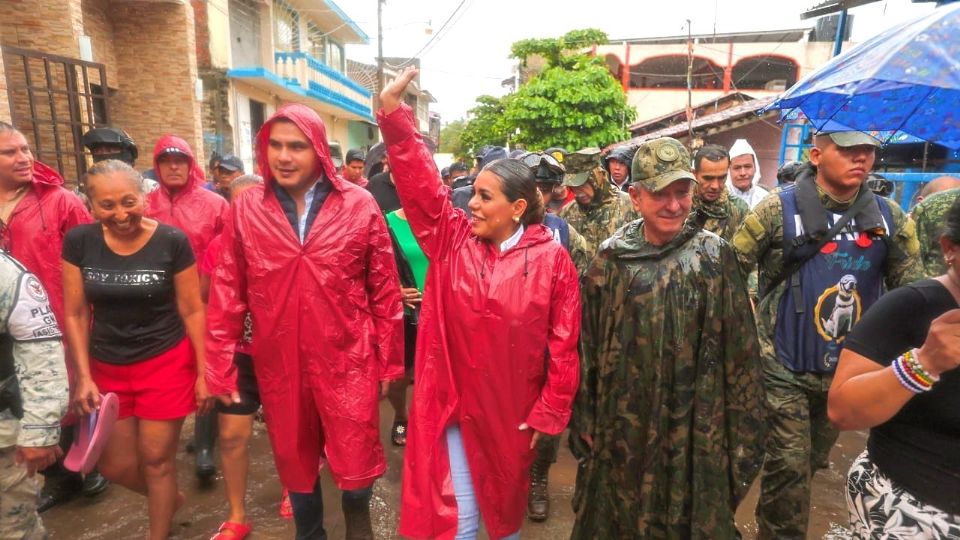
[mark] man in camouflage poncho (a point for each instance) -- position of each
(600, 208)
(668, 423)
(929, 215)
(713, 206)
(800, 317)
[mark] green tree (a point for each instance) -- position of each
(486, 125)
(574, 102)
(450, 138)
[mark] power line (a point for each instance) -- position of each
(433, 37)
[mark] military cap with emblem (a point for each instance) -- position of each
(659, 163)
(579, 164)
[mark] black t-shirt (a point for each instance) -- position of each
(919, 448)
(384, 192)
(134, 303)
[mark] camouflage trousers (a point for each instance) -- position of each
(18, 501)
(798, 444)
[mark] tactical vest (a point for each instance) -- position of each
(559, 228)
(830, 292)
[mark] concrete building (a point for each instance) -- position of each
(283, 51)
(68, 65)
(211, 73)
(416, 96)
(653, 71)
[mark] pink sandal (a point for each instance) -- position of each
(239, 530)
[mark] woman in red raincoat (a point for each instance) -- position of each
(499, 293)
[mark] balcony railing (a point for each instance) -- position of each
(323, 81)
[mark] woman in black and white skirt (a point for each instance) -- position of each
(897, 376)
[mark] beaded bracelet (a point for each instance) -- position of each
(913, 361)
(911, 373)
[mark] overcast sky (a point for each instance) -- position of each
(469, 57)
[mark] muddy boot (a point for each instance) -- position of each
(204, 435)
(538, 503)
(356, 513)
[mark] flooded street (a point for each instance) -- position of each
(120, 514)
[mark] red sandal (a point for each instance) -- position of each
(286, 508)
(239, 530)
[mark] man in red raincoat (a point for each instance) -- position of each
(309, 255)
(36, 211)
(182, 202)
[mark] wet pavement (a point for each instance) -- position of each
(120, 514)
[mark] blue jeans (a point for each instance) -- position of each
(468, 513)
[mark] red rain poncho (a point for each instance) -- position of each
(36, 229)
(327, 320)
(486, 321)
(192, 209)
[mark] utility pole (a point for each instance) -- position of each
(689, 81)
(379, 86)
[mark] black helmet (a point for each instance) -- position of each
(787, 174)
(623, 154)
(108, 136)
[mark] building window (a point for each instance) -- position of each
(772, 73)
(670, 71)
(286, 27)
(316, 41)
(336, 56)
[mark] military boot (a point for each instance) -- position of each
(356, 514)
(538, 502)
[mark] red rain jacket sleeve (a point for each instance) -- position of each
(551, 412)
(437, 225)
(386, 305)
(225, 312)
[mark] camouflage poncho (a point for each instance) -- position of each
(670, 390)
(929, 216)
(609, 210)
(722, 216)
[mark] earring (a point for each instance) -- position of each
(516, 219)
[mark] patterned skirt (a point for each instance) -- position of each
(881, 509)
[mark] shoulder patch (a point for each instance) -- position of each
(31, 318)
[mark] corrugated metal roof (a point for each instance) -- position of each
(833, 6)
(738, 112)
(698, 110)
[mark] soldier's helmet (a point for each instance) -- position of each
(659, 163)
(114, 139)
(579, 165)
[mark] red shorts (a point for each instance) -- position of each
(158, 388)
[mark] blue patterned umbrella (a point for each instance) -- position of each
(900, 85)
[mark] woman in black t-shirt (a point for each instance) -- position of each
(897, 376)
(145, 342)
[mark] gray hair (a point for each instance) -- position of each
(112, 166)
(246, 181)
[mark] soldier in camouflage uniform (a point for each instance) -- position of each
(33, 397)
(600, 208)
(668, 422)
(715, 209)
(929, 215)
(549, 173)
(801, 331)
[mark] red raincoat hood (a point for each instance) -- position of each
(45, 175)
(197, 178)
(312, 126)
